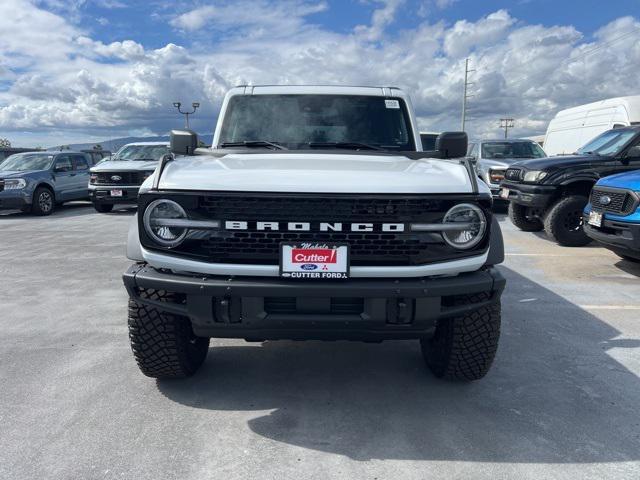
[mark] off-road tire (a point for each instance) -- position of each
(560, 221)
(44, 202)
(463, 348)
(103, 207)
(164, 344)
(518, 216)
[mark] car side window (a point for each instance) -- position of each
(64, 164)
(80, 162)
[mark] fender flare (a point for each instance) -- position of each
(134, 250)
(496, 244)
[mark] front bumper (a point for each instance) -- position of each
(102, 194)
(371, 309)
(15, 199)
(529, 195)
(621, 237)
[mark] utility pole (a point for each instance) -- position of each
(465, 95)
(506, 123)
(194, 105)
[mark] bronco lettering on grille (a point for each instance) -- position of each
(316, 226)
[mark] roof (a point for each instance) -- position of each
(316, 89)
(505, 140)
(142, 144)
(631, 103)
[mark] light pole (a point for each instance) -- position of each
(194, 105)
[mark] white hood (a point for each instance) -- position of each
(315, 173)
(125, 166)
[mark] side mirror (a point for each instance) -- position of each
(633, 152)
(183, 142)
(452, 144)
(59, 169)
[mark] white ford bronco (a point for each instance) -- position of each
(315, 215)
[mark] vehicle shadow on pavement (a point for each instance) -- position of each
(554, 395)
(628, 266)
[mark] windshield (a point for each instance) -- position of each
(21, 162)
(141, 152)
(608, 143)
(295, 121)
(496, 150)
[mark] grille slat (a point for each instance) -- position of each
(621, 202)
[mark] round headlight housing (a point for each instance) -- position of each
(159, 222)
(464, 226)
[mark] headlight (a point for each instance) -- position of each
(465, 225)
(534, 176)
(160, 222)
(14, 183)
(496, 176)
(93, 178)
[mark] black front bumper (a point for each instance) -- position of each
(534, 196)
(102, 194)
(621, 237)
(265, 308)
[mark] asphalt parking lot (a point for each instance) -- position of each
(560, 402)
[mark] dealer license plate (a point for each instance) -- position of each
(504, 193)
(314, 260)
(116, 193)
(595, 219)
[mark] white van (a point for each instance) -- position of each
(570, 129)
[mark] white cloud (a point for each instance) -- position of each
(382, 17)
(63, 81)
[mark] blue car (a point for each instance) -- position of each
(38, 181)
(612, 216)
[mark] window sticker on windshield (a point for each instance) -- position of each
(392, 103)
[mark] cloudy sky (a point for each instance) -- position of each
(84, 70)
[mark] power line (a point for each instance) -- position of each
(506, 123)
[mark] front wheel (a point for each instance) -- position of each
(103, 207)
(43, 202)
(463, 348)
(563, 221)
(518, 214)
(164, 344)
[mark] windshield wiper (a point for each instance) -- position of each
(347, 145)
(254, 143)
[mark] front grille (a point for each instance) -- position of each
(120, 178)
(514, 174)
(332, 306)
(1, 185)
(252, 246)
(620, 202)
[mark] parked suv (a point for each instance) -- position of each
(116, 180)
(38, 181)
(551, 193)
(612, 216)
(493, 157)
(315, 215)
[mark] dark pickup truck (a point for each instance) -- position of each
(551, 193)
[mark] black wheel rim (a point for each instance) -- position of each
(573, 221)
(45, 202)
